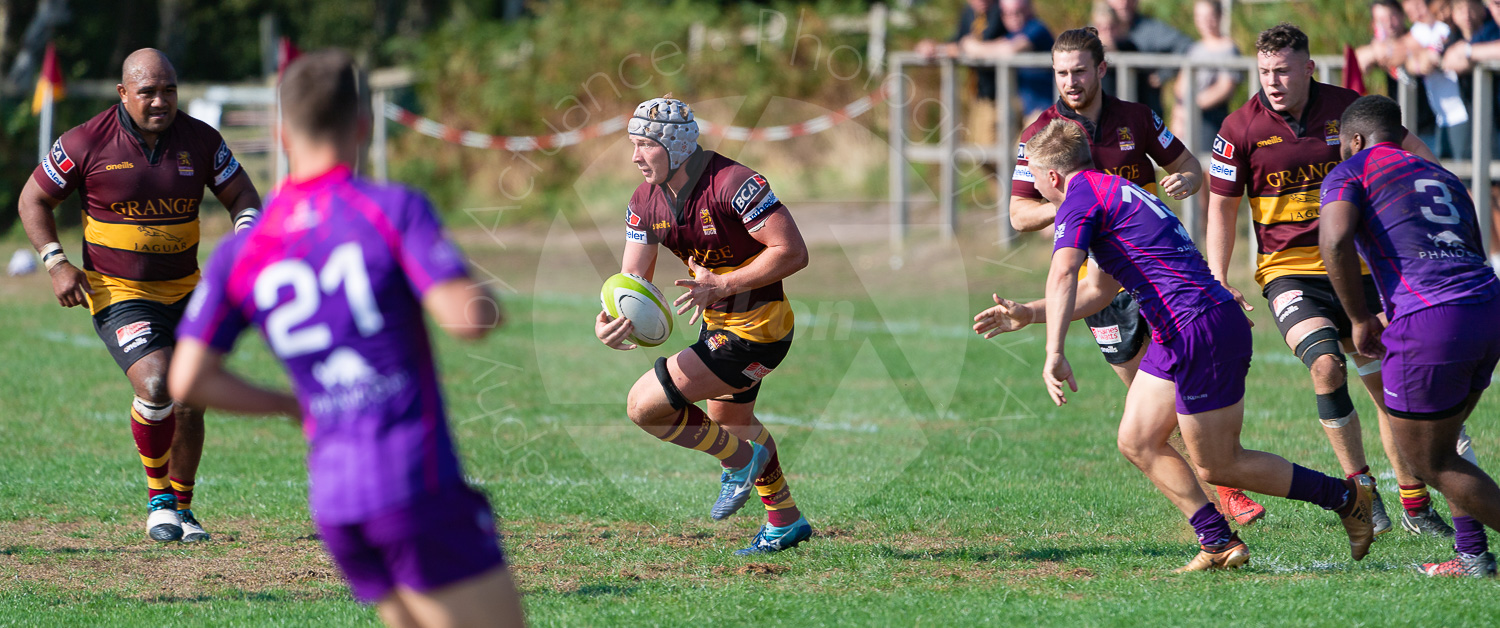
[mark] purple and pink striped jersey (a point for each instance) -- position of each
(1135, 238)
(333, 276)
(1417, 229)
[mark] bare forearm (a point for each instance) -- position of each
(226, 391)
(1031, 214)
(1216, 94)
(1343, 273)
(36, 216)
(772, 265)
(1062, 290)
(1220, 235)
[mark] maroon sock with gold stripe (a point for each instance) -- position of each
(693, 429)
(781, 509)
(153, 441)
(184, 493)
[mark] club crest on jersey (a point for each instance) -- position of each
(60, 157)
(708, 222)
(138, 329)
(1223, 148)
(1127, 142)
(756, 371)
(717, 340)
(748, 191)
(185, 163)
(1331, 132)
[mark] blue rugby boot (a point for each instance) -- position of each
(737, 485)
(771, 539)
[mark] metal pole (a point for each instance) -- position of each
(378, 156)
(897, 140)
(44, 130)
(1005, 156)
(1484, 137)
(947, 177)
(1124, 85)
(1406, 96)
(1190, 210)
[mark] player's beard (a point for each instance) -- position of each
(1085, 100)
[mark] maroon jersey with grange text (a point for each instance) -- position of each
(1127, 138)
(140, 207)
(712, 220)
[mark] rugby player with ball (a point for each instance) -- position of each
(739, 242)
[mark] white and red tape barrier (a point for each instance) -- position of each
(433, 128)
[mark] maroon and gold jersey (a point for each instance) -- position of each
(1280, 163)
(1128, 137)
(140, 207)
(721, 205)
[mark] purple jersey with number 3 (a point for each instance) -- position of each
(1139, 241)
(1417, 229)
(333, 276)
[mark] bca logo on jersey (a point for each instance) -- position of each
(750, 189)
(222, 156)
(60, 157)
(1223, 148)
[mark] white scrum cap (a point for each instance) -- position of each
(669, 122)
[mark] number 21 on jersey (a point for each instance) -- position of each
(344, 268)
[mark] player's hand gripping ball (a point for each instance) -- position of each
(633, 297)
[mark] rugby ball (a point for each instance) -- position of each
(633, 297)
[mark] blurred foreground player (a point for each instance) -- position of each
(140, 168)
(1193, 374)
(336, 277)
(1415, 225)
(738, 241)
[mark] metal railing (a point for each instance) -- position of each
(948, 151)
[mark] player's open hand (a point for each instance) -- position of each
(70, 284)
(1177, 185)
(1054, 373)
(1366, 337)
(1239, 298)
(704, 289)
(613, 332)
(1006, 316)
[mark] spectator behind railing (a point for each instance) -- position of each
(1210, 88)
(1150, 35)
(1452, 136)
(980, 22)
(1114, 33)
(1025, 33)
(1480, 41)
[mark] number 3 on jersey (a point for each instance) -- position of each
(345, 267)
(1444, 198)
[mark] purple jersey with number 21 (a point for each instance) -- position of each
(1139, 241)
(333, 275)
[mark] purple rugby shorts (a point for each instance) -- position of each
(1436, 357)
(1207, 359)
(445, 539)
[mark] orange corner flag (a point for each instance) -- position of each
(50, 78)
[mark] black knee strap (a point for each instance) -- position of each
(1318, 343)
(1335, 408)
(674, 395)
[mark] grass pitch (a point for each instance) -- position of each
(944, 487)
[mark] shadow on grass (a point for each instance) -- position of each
(601, 590)
(1040, 554)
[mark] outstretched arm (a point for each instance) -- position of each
(197, 378)
(1095, 292)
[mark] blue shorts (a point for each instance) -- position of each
(445, 539)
